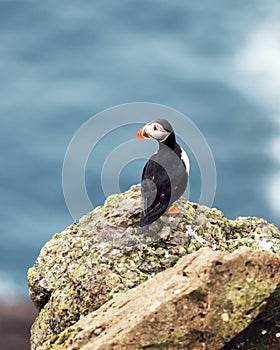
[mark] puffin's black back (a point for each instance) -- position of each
(164, 180)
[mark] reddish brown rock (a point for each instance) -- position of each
(16, 318)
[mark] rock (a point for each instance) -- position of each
(106, 252)
(264, 332)
(200, 303)
(16, 318)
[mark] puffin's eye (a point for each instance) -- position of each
(155, 128)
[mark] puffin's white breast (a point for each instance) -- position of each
(186, 160)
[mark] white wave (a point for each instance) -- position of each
(274, 149)
(258, 63)
(274, 193)
(274, 181)
(257, 68)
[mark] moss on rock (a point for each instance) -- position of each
(106, 252)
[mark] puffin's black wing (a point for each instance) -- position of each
(156, 192)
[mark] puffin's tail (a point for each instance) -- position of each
(148, 219)
(145, 221)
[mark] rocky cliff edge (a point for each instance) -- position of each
(106, 283)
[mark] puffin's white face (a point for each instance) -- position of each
(153, 130)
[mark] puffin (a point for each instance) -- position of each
(165, 175)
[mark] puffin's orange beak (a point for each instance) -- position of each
(142, 134)
(139, 134)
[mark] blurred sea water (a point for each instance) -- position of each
(62, 62)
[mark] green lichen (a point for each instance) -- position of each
(54, 338)
(63, 337)
(106, 252)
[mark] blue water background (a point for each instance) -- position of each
(63, 61)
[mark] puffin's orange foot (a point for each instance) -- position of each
(172, 211)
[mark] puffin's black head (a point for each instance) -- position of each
(159, 129)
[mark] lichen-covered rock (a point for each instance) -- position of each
(106, 252)
(200, 303)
